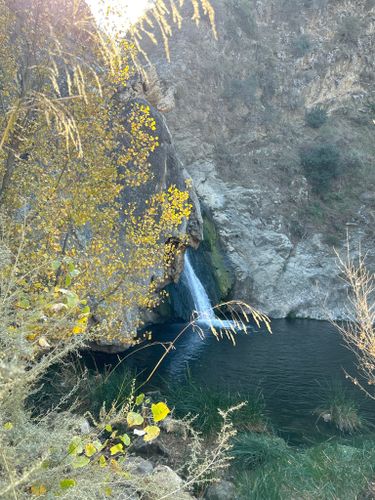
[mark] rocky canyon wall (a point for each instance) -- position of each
(238, 110)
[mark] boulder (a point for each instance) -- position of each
(222, 490)
(166, 482)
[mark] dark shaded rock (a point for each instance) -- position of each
(151, 449)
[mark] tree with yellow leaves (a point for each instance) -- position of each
(71, 164)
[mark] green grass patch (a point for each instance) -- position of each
(330, 471)
(112, 385)
(251, 449)
(339, 409)
(193, 398)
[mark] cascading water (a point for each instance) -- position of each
(199, 295)
(193, 345)
(202, 304)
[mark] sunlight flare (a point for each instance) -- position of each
(117, 15)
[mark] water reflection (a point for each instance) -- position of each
(292, 366)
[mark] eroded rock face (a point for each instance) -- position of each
(239, 127)
(277, 275)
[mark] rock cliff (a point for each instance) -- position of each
(243, 124)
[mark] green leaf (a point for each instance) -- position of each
(139, 399)
(133, 419)
(117, 448)
(72, 298)
(23, 303)
(71, 267)
(86, 310)
(98, 445)
(125, 439)
(152, 432)
(8, 426)
(108, 428)
(67, 483)
(56, 264)
(75, 447)
(79, 462)
(102, 461)
(159, 411)
(68, 280)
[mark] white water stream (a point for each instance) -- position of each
(202, 304)
(199, 295)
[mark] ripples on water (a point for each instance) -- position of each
(292, 367)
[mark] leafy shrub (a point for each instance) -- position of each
(321, 165)
(244, 17)
(301, 46)
(316, 117)
(349, 30)
(370, 107)
(244, 90)
(223, 154)
(333, 239)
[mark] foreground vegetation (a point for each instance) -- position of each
(203, 402)
(327, 471)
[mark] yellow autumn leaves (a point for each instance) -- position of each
(159, 411)
(77, 165)
(106, 444)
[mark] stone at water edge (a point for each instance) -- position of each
(223, 490)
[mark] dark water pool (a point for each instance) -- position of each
(292, 367)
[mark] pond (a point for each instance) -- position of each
(293, 368)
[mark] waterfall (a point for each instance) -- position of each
(194, 344)
(202, 304)
(199, 295)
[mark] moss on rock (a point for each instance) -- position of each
(212, 249)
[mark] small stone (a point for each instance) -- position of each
(85, 427)
(223, 490)
(139, 466)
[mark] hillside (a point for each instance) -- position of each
(243, 125)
